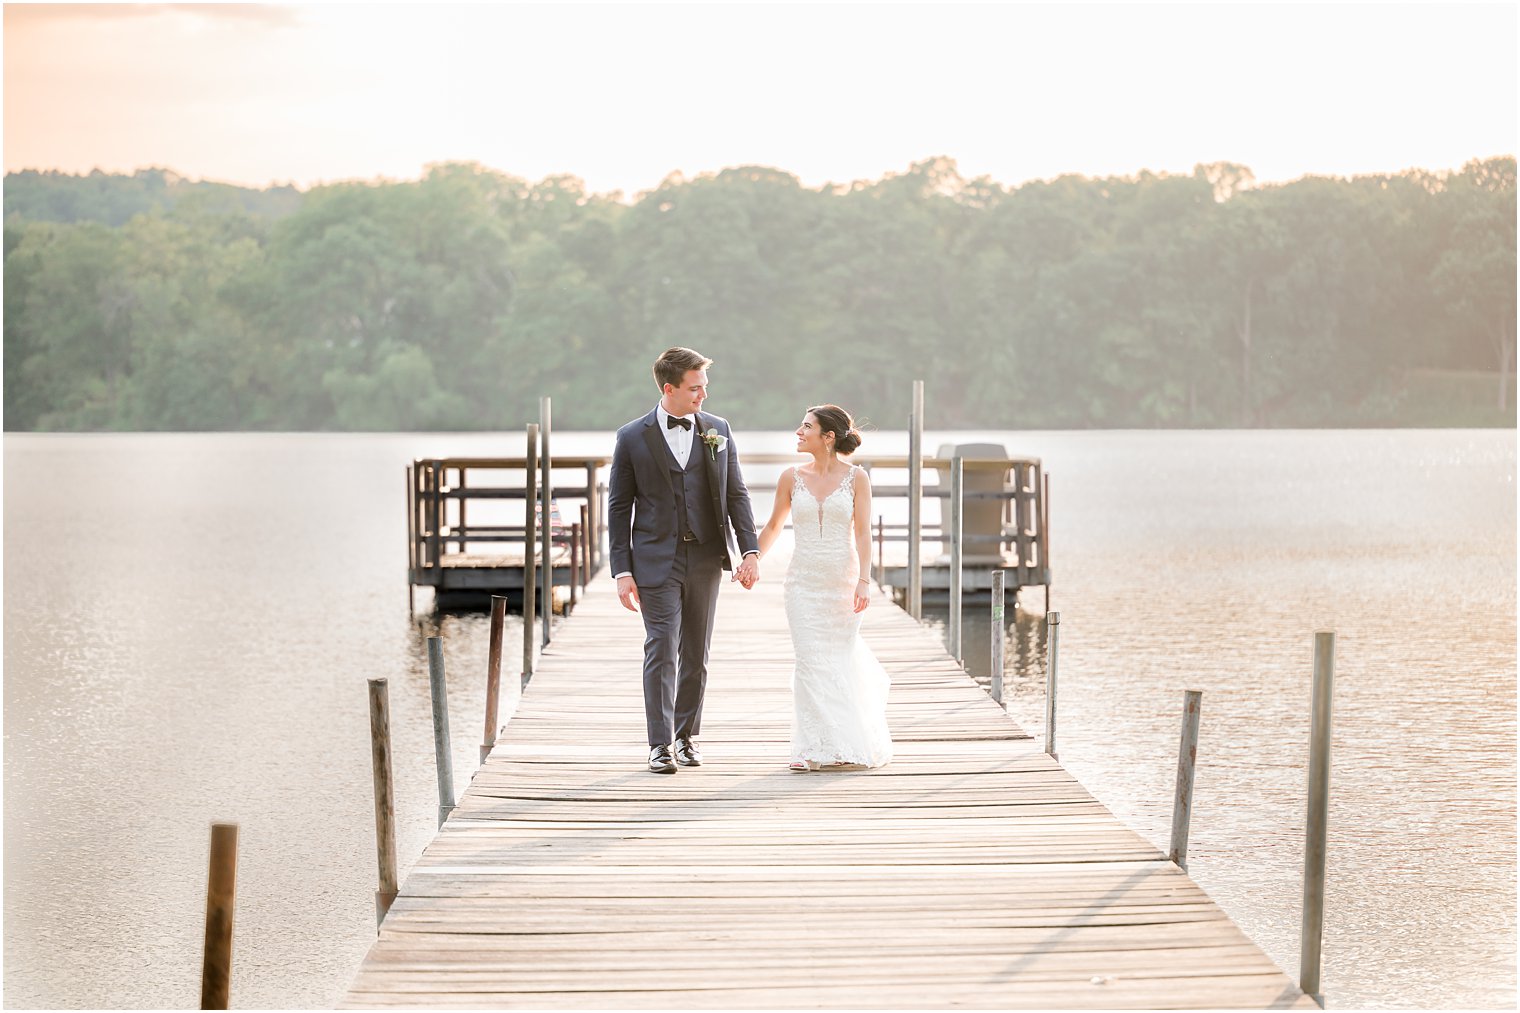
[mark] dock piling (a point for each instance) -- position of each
(957, 553)
(1052, 649)
(411, 544)
(463, 531)
(1045, 536)
(530, 548)
(1187, 758)
(493, 673)
(221, 893)
(593, 514)
(546, 494)
(916, 503)
(997, 644)
(585, 546)
(434, 515)
(1315, 831)
(441, 729)
(881, 550)
(385, 799)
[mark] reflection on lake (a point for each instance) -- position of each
(190, 621)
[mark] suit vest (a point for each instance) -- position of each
(693, 489)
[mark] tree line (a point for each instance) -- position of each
(453, 302)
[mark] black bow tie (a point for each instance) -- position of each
(671, 422)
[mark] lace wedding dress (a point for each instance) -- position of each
(839, 689)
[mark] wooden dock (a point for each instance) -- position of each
(973, 871)
(439, 492)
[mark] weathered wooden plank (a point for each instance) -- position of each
(802, 989)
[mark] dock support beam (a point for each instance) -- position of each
(441, 729)
(493, 673)
(1187, 759)
(995, 685)
(530, 547)
(916, 503)
(1052, 647)
(586, 564)
(957, 553)
(385, 799)
(411, 543)
(1316, 827)
(547, 495)
(1045, 536)
(221, 892)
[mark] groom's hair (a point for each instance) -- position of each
(674, 363)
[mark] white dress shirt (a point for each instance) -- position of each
(677, 438)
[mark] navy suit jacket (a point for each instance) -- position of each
(641, 498)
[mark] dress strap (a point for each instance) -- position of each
(849, 481)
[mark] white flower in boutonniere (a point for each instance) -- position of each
(715, 442)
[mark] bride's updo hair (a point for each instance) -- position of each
(834, 419)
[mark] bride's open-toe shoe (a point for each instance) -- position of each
(799, 766)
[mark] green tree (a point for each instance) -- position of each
(1475, 274)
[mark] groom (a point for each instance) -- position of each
(675, 504)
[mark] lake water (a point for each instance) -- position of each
(190, 621)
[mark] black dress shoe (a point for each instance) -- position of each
(687, 754)
(660, 761)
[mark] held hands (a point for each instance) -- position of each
(628, 593)
(862, 594)
(748, 572)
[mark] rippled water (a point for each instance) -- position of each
(190, 621)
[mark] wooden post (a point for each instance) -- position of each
(1024, 496)
(1008, 527)
(881, 549)
(1053, 629)
(997, 636)
(435, 515)
(1045, 536)
(575, 562)
(545, 463)
(585, 546)
(1316, 827)
(592, 544)
(1187, 758)
(464, 527)
(411, 542)
(916, 503)
(957, 552)
(493, 673)
(530, 548)
(441, 729)
(601, 523)
(443, 507)
(385, 797)
(221, 892)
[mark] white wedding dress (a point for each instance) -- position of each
(839, 689)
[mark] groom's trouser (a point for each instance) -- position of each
(678, 616)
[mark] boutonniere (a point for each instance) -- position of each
(715, 442)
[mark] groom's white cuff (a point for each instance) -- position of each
(620, 576)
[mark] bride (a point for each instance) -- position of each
(839, 689)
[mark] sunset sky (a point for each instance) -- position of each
(622, 95)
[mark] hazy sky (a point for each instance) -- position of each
(622, 95)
